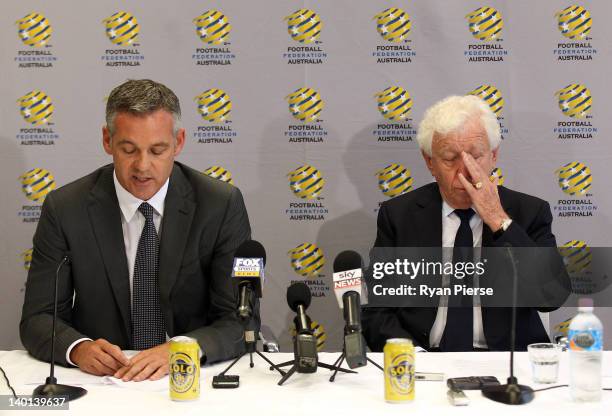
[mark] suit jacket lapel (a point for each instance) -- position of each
(178, 215)
(429, 218)
(429, 234)
(105, 218)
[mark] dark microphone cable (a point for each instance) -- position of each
(566, 385)
(8, 383)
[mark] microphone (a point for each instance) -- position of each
(304, 342)
(249, 263)
(347, 288)
(348, 275)
(248, 268)
(511, 392)
(51, 388)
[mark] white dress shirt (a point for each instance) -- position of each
(450, 225)
(132, 223)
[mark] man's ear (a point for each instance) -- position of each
(106, 141)
(180, 142)
(495, 153)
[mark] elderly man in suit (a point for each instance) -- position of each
(459, 138)
(151, 243)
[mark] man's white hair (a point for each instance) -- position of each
(451, 114)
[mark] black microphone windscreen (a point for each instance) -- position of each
(251, 249)
(347, 260)
(298, 294)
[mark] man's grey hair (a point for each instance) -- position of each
(451, 114)
(141, 97)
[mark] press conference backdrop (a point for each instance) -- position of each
(311, 108)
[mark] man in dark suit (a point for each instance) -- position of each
(459, 138)
(151, 243)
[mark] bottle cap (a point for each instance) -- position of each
(585, 303)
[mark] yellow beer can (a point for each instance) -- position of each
(184, 369)
(399, 370)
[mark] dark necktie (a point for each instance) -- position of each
(148, 329)
(458, 332)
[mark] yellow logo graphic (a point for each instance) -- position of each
(122, 28)
(575, 178)
(492, 96)
(394, 180)
(575, 100)
(576, 255)
(574, 22)
(212, 27)
(183, 372)
(497, 176)
(36, 107)
(219, 172)
(318, 331)
(37, 183)
(394, 103)
(34, 29)
(26, 256)
(401, 374)
(393, 24)
(306, 182)
(305, 104)
(485, 23)
(307, 260)
(304, 26)
(562, 328)
(214, 105)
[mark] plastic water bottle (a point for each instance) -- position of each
(586, 345)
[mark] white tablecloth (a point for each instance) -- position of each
(313, 394)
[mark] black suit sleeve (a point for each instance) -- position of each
(37, 314)
(224, 338)
(543, 279)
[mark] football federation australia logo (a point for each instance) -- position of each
(34, 30)
(212, 27)
(485, 23)
(122, 28)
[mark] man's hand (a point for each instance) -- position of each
(151, 364)
(486, 199)
(100, 357)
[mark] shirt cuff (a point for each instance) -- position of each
(74, 344)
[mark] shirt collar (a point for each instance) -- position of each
(447, 210)
(129, 204)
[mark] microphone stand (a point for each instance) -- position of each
(294, 366)
(340, 360)
(293, 369)
(250, 339)
(251, 347)
(511, 392)
(51, 388)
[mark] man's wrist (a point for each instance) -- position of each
(504, 224)
(71, 349)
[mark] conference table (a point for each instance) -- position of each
(308, 394)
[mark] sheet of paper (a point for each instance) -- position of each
(146, 385)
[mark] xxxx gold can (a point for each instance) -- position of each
(399, 370)
(184, 369)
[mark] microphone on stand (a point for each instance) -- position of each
(347, 279)
(305, 343)
(305, 354)
(511, 392)
(249, 264)
(248, 268)
(51, 388)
